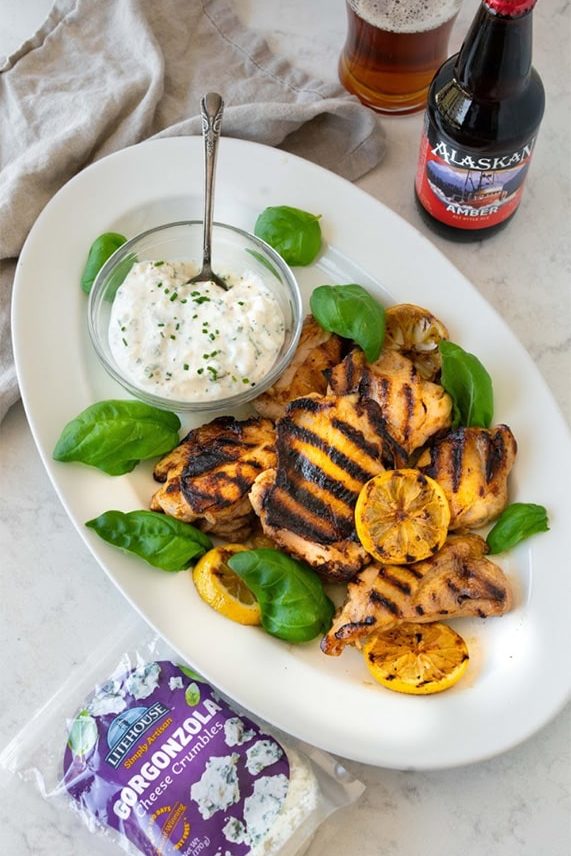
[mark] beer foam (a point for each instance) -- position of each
(405, 16)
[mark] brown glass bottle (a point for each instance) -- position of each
(484, 108)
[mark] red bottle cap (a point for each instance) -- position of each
(510, 8)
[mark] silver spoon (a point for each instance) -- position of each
(211, 108)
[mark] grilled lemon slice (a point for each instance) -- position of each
(402, 516)
(415, 333)
(418, 659)
(222, 589)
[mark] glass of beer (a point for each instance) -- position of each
(393, 50)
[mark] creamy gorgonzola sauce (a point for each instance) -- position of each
(193, 342)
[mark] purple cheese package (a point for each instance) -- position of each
(156, 760)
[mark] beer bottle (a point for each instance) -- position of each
(484, 108)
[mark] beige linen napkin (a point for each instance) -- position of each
(103, 74)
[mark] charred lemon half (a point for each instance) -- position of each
(415, 333)
(222, 589)
(402, 516)
(418, 659)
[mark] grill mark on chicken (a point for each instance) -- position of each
(409, 408)
(401, 585)
(382, 600)
(241, 478)
(393, 455)
(453, 587)
(343, 517)
(496, 455)
(355, 437)
(472, 466)
(328, 447)
(207, 477)
(337, 457)
(457, 581)
(309, 471)
(457, 454)
(280, 516)
(414, 409)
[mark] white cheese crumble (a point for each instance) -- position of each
(263, 805)
(109, 698)
(193, 341)
(175, 684)
(143, 681)
(262, 754)
(300, 802)
(235, 733)
(218, 786)
(235, 831)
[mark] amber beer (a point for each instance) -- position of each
(485, 106)
(393, 49)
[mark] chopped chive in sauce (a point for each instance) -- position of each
(200, 371)
(125, 342)
(173, 337)
(186, 367)
(173, 296)
(245, 380)
(159, 263)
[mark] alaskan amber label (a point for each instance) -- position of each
(467, 189)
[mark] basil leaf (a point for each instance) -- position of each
(162, 541)
(101, 249)
(82, 734)
(293, 233)
(469, 385)
(190, 673)
(115, 435)
(516, 523)
(192, 695)
(118, 276)
(292, 601)
(351, 312)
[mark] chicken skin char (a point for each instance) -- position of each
(457, 581)
(208, 476)
(327, 448)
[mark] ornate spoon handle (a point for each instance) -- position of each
(211, 109)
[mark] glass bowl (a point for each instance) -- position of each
(233, 250)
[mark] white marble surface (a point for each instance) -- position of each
(55, 602)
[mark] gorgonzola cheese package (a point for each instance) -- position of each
(155, 759)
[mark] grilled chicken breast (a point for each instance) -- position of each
(317, 351)
(457, 581)
(327, 448)
(414, 409)
(208, 476)
(472, 465)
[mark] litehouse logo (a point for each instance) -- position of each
(126, 729)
